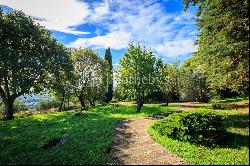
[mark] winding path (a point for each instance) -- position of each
(132, 145)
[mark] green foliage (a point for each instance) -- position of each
(223, 43)
(137, 67)
(199, 127)
(91, 73)
(235, 153)
(170, 83)
(90, 136)
(48, 104)
(230, 100)
(194, 84)
(215, 104)
(23, 114)
(28, 55)
(108, 58)
(19, 106)
(61, 80)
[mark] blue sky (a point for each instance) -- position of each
(160, 25)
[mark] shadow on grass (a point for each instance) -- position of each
(234, 139)
(90, 135)
(230, 100)
(237, 122)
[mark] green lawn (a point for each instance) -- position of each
(89, 136)
(236, 152)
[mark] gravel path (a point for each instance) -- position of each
(132, 145)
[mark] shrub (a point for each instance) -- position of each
(46, 104)
(198, 127)
(23, 114)
(217, 105)
(20, 106)
(20, 109)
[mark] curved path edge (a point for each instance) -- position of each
(132, 145)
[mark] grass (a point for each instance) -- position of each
(230, 100)
(89, 135)
(236, 152)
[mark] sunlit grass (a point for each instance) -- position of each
(237, 152)
(90, 135)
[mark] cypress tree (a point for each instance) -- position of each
(108, 58)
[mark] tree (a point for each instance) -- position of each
(119, 91)
(170, 81)
(137, 68)
(61, 80)
(194, 84)
(223, 43)
(26, 50)
(90, 72)
(108, 58)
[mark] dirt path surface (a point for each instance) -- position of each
(132, 145)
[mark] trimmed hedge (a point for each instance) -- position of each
(198, 127)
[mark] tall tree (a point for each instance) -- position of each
(137, 67)
(194, 84)
(169, 83)
(61, 80)
(90, 75)
(223, 43)
(26, 55)
(108, 58)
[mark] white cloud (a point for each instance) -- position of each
(167, 34)
(99, 11)
(176, 48)
(116, 40)
(117, 23)
(58, 15)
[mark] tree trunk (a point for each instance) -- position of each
(9, 103)
(139, 106)
(92, 103)
(167, 102)
(60, 108)
(82, 102)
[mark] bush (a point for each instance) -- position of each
(198, 127)
(46, 104)
(217, 105)
(18, 106)
(23, 114)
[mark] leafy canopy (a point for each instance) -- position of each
(223, 43)
(137, 69)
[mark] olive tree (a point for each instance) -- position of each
(90, 76)
(26, 55)
(62, 78)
